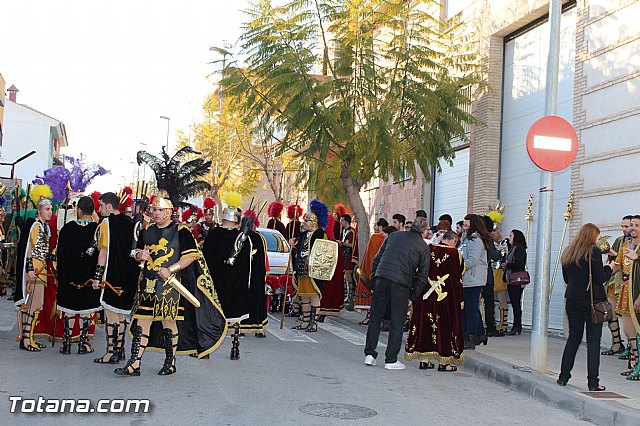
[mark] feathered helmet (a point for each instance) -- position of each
(41, 195)
(317, 215)
(191, 214)
(95, 195)
(275, 209)
(291, 211)
(331, 221)
(208, 204)
(126, 204)
(252, 213)
(162, 201)
(339, 209)
(125, 193)
(495, 213)
(233, 200)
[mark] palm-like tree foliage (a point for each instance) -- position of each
(361, 86)
(179, 178)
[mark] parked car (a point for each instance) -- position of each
(277, 250)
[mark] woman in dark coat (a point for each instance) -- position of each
(516, 262)
(580, 259)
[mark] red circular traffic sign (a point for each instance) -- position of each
(552, 143)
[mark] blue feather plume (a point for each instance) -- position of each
(318, 208)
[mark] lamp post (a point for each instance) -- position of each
(168, 119)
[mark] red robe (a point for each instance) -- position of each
(363, 292)
(332, 301)
(435, 331)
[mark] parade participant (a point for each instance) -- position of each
(274, 211)
(116, 273)
(628, 263)
(332, 301)
(309, 289)
(364, 285)
(190, 217)
(347, 243)
(257, 303)
(228, 257)
(488, 292)
(501, 244)
(203, 227)
(613, 290)
(75, 270)
(162, 318)
(126, 202)
(435, 331)
(294, 213)
(401, 270)
(35, 269)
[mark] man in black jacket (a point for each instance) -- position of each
(400, 271)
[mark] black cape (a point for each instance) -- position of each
(22, 248)
(203, 329)
(231, 282)
(277, 225)
(122, 271)
(75, 267)
(256, 299)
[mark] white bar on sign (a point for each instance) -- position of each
(551, 143)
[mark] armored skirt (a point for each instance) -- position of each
(76, 268)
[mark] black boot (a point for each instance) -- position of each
(170, 346)
(83, 344)
(112, 341)
(66, 338)
(313, 326)
(469, 342)
(136, 355)
(235, 343)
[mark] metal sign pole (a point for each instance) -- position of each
(544, 227)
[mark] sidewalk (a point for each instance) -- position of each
(506, 360)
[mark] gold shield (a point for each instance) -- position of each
(323, 259)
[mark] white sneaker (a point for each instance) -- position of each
(395, 366)
(369, 360)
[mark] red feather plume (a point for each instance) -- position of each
(128, 202)
(291, 211)
(340, 209)
(96, 200)
(275, 209)
(252, 213)
(186, 215)
(209, 203)
(127, 190)
(330, 225)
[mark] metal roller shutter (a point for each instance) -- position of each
(452, 188)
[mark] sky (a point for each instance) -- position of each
(109, 69)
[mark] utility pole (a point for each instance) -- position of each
(544, 227)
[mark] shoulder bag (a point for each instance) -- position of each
(519, 277)
(601, 312)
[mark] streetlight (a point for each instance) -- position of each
(168, 119)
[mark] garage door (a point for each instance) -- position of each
(525, 60)
(451, 188)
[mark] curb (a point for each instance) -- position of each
(543, 389)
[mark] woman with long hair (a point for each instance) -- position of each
(474, 253)
(516, 262)
(581, 267)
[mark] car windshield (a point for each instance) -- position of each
(276, 243)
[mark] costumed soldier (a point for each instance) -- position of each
(76, 269)
(332, 301)
(274, 211)
(173, 270)
(294, 213)
(190, 217)
(228, 257)
(116, 273)
(257, 303)
(309, 289)
(203, 227)
(347, 243)
(35, 269)
(435, 331)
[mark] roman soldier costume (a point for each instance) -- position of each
(435, 330)
(274, 211)
(75, 295)
(294, 213)
(201, 230)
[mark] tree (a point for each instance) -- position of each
(221, 136)
(356, 85)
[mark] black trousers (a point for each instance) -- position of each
(395, 296)
(515, 296)
(579, 316)
(489, 306)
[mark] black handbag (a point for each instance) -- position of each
(601, 312)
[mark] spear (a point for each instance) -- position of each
(286, 274)
(529, 216)
(567, 217)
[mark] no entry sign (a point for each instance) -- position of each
(552, 143)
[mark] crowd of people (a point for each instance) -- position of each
(185, 281)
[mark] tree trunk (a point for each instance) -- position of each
(352, 190)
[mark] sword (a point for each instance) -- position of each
(436, 285)
(177, 285)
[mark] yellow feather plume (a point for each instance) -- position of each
(38, 192)
(232, 199)
(496, 216)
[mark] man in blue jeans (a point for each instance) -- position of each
(400, 271)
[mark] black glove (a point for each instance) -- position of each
(414, 294)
